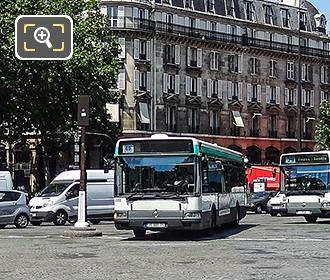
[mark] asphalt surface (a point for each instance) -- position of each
(263, 247)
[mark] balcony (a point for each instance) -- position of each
(272, 133)
(290, 134)
(235, 131)
(254, 132)
(307, 136)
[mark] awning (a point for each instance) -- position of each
(144, 113)
(237, 119)
(113, 111)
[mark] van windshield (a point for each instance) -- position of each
(54, 189)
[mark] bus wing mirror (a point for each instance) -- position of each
(109, 163)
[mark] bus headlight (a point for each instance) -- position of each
(325, 205)
(120, 215)
(193, 215)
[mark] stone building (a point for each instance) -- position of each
(225, 71)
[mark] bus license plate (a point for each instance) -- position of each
(155, 225)
(304, 212)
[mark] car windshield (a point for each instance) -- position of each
(306, 178)
(54, 189)
(158, 175)
(259, 195)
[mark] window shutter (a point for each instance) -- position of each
(286, 96)
(322, 74)
(228, 29)
(240, 93)
(312, 98)
(177, 84)
(208, 25)
(257, 66)
(177, 54)
(136, 48)
(136, 17)
(190, 118)
(224, 88)
(219, 89)
(199, 86)
(209, 90)
(186, 21)
(198, 23)
(276, 74)
(121, 79)
(278, 95)
(148, 81)
(104, 10)
(121, 42)
(211, 60)
(218, 27)
(295, 97)
(268, 94)
(188, 56)
(249, 92)
(211, 119)
(175, 19)
(146, 14)
(199, 57)
(240, 63)
(259, 93)
(188, 85)
(229, 90)
(136, 79)
(310, 73)
(121, 16)
(303, 72)
(165, 83)
(322, 96)
(148, 51)
(250, 69)
(303, 97)
(163, 17)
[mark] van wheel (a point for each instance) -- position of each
(311, 219)
(2, 226)
(21, 221)
(139, 233)
(60, 218)
(35, 223)
(95, 222)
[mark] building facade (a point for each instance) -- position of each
(225, 71)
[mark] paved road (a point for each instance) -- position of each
(263, 247)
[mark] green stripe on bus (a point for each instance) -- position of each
(220, 153)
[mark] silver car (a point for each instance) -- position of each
(14, 209)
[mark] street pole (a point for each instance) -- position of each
(299, 82)
(83, 121)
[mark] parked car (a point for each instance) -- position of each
(277, 205)
(257, 202)
(58, 202)
(14, 209)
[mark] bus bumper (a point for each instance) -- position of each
(305, 209)
(157, 221)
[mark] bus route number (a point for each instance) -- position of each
(128, 149)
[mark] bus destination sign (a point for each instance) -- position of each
(305, 159)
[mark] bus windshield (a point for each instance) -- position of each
(306, 178)
(158, 175)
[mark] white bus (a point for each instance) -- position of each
(305, 180)
(175, 183)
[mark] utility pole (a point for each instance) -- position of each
(83, 121)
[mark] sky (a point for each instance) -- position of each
(324, 7)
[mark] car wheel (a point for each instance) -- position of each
(95, 222)
(60, 218)
(139, 233)
(258, 209)
(36, 223)
(2, 226)
(21, 221)
(311, 219)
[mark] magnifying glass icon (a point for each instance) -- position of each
(42, 35)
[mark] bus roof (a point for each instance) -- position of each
(199, 146)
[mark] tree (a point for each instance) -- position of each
(322, 132)
(41, 96)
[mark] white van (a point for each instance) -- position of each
(6, 182)
(58, 202)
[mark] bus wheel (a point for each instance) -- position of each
(139, 233)
(311, 219)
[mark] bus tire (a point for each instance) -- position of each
(139, 233)
(311, 219)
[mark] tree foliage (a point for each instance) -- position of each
(41, 96)
(322, 132)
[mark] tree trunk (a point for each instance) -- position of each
(40, 176)
(51, 149)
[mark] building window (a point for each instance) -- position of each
(272, 126)
(290, 97)
(308, 98)
(193, 124)
(255, 119)
(113, 15)
(273, 95)
(172, 54)
(235, 63)
(272, 68)
(171, 118)
(268, 14)
(249, 10)
(325, 96)
(194, 57)
(254, 66)
(308, 128)
(324, 72)
(303, 21)
(210, 5)
(290, 71)
(230, 8)
(141, 49)
(193, 88)
(214, 61)
(142, 80)
(171, 83)
(285, 18)
(214, 122)
(307, 72)
(143, 116)
(188, 4)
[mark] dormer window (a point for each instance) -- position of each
(249, 11)
(230, 8)
(321, 22)
(210, 5)
(303, 21)
(268, 14)
(285, 18)
(188, 4)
